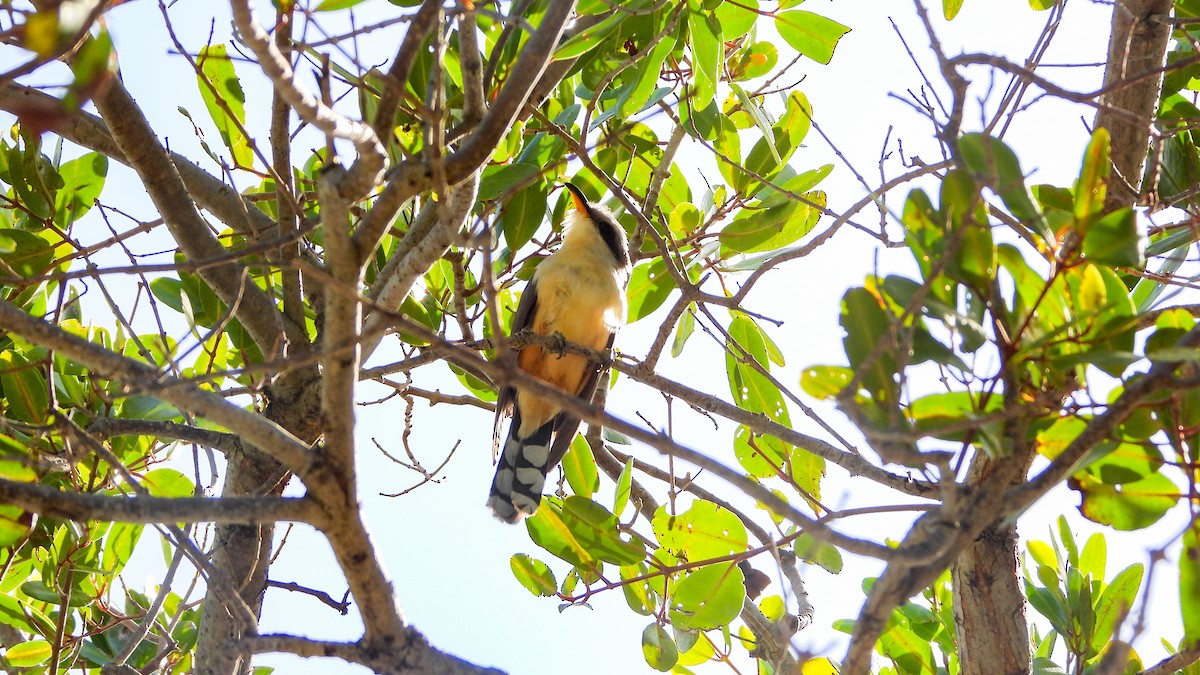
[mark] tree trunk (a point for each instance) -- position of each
(989, 603)
(1133, 76)
(241, 552)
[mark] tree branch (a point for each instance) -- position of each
(137, 376)
(49, 502)
(135, 137)
(367, 170)
(89, 131)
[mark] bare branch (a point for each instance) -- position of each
(367, 170)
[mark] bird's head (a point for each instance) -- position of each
(585, 219)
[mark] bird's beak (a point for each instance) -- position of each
(577, 197)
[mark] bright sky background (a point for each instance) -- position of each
(447, 555)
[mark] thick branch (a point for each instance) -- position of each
(418, 657)
(88, 131)
(52, 503)
(107, 427)
(135, 137)
(394, 81)
(137, 376)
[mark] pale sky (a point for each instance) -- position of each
(447, 555)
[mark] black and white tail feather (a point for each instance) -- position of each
(524, 462)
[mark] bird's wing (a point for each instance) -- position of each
(566, 424)
(508, 395)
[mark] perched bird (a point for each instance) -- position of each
(578, 293)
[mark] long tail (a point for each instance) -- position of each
(521, 473)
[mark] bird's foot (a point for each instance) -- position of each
(559, 346)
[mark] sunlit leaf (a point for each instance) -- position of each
(708, 598)
(707, 46)
(225, 101)
(579, 466)
(812, 35)
(658, 648)
(1189, 583)
(1129, 506)
(705, 530)
(534, 575)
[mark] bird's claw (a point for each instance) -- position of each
(559, 346)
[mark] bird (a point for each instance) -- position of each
(577, 294)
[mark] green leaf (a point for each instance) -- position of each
(93, 65)
(760, 456)
(825, 382)
(1043, 553)
(119, 544)
(522, 215)
(1093, 177)
(812, 35)
(1119, 463)
(225, 101)
(904, 647)
(579, 466)
(685, 219)
(1048, 605)
(164, 482)
(588, 39)
(29, 254)
(649, 288)
(1114, 603)
(684, 330)
(14, 524)
(756, 60)
(1068, 541)
(640, 595)
(12, 613)
(596, 530)
(816, 552)
(737, 18)
(997, 166)
(547, 529)
(1129, 506)
(83, 180)
(776, 146)
(872, 360)
(750, 388)
(770, 229)
(1114, 240)
(26, 395)
(760, 120)
(1094, 557)
(950, 8)
(331, 5)
(533, 574)
(974, 260)
(499, 180)
(708, 598)
(1189, 585)
(27, 654)
(659, 649)
(704, 531)
(624, 487)
(644, 79)
(707, 44)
